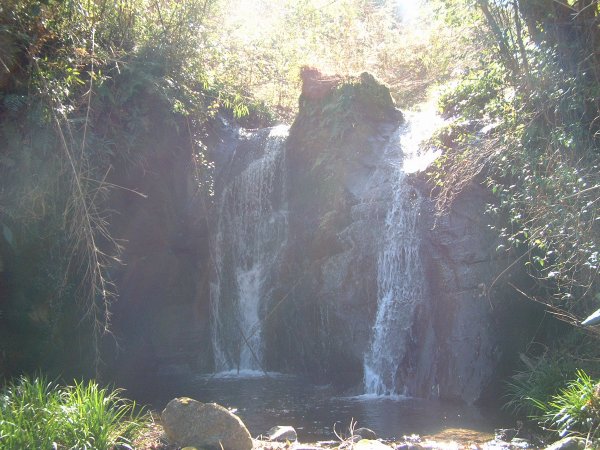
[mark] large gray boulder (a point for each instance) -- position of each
(188, 422)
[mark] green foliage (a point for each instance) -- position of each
(476, 95)
(261, 46)
(36, 413)
(526, 125)
(575, 409)
(350, 104)
(86, 91)
(529, 389)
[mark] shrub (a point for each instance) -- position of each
(527, 126)
(575, 409)
(537, 383)
(36, 413)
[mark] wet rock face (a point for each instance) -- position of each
(336, 175)
(159, 319)
(474, 321)
(319, 316)
(462, 264)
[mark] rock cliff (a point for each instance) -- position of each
(291, 278)
(320, 312)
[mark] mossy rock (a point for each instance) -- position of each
(374, 99)
(343, 108)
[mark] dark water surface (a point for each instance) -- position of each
(314, 411)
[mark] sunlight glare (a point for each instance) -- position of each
(408, 10)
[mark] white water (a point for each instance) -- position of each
(400, 274)
(242, 374)
(252, 231)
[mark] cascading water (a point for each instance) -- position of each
(251, 233)
(400, 273)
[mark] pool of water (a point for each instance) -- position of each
(316, 412)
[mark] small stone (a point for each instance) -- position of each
(505, 434)
(365, 433)
(520, 443)
(282, 433)
(370, 444)
(569, 443)
(190, 423)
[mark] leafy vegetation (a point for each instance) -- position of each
(85, 89)
(557, 396)
(575, 409)
(36, 413)
(526, 124)
(524, 121)
(262, 46)
(529, 390)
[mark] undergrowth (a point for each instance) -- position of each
(36, 413)
(575, 410)
(525, 124)
(85, 88)
(556, 391)
(535, 385)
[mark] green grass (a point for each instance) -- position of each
(575, 409)
(38, 414)
(537, 383)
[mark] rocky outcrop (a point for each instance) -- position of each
(188, 422)
(161, 316)
(329, 269)
(316, 85)
(341, 161)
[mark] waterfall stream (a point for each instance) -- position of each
(400, 273)
(251, 233)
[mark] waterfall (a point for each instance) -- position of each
(400, 273)
(251, 233)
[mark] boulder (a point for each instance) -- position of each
(188, 422)
(282, 433)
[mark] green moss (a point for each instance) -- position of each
(354, 101)
(374, 98)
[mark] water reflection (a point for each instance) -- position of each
(316, 411)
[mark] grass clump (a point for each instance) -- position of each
(557, 396)
(575, 410)
(528, 390)
(36, 413)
